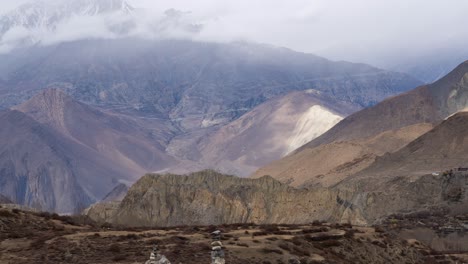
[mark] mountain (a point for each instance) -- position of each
(139, 144)
(61, 155)
(431, 67)
(266, 133)
(443, 148)
(428, 104)
(34, 19)
(195, 84)
(328, 164)
(427, 176)
(94, 152)
(32, 155)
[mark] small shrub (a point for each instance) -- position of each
(6, 213)
(120, 257)
(301, 251)
(242, 244)
(272, 250)
(114, 248)
(284, 245)
(330, 243)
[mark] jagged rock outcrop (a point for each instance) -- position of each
(368, 201)
(211, 198)
(208, 197)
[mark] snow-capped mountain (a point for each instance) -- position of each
(34, 21)
(42, 14)
(50, 22)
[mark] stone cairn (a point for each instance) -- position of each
(217, 252)
(157, 258)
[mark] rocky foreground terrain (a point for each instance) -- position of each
(48, 238)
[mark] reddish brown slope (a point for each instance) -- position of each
(61, 155)
(121, 138)
(443, 148)
(43, 169)
(423, 105)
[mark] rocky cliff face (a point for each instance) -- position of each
(211, 198)
(372, 200)
(207, 198)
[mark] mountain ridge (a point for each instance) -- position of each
(428, 104)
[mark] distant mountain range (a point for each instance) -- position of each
(404, 157)
(86, 114)
(432, 66)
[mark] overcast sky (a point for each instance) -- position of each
(356, 30)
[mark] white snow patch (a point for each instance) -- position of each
(313, 123)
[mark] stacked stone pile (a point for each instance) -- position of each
(157, 258)
(217, 252)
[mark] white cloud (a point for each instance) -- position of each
(358, 30)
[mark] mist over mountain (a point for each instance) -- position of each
(48, 22)
(313, 27)
(432, 66)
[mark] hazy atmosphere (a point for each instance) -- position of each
(376, 32)
(234, 132)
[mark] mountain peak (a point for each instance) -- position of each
(49, 106)
(40, 15)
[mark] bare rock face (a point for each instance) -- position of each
(211, 198)
(369, 201)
